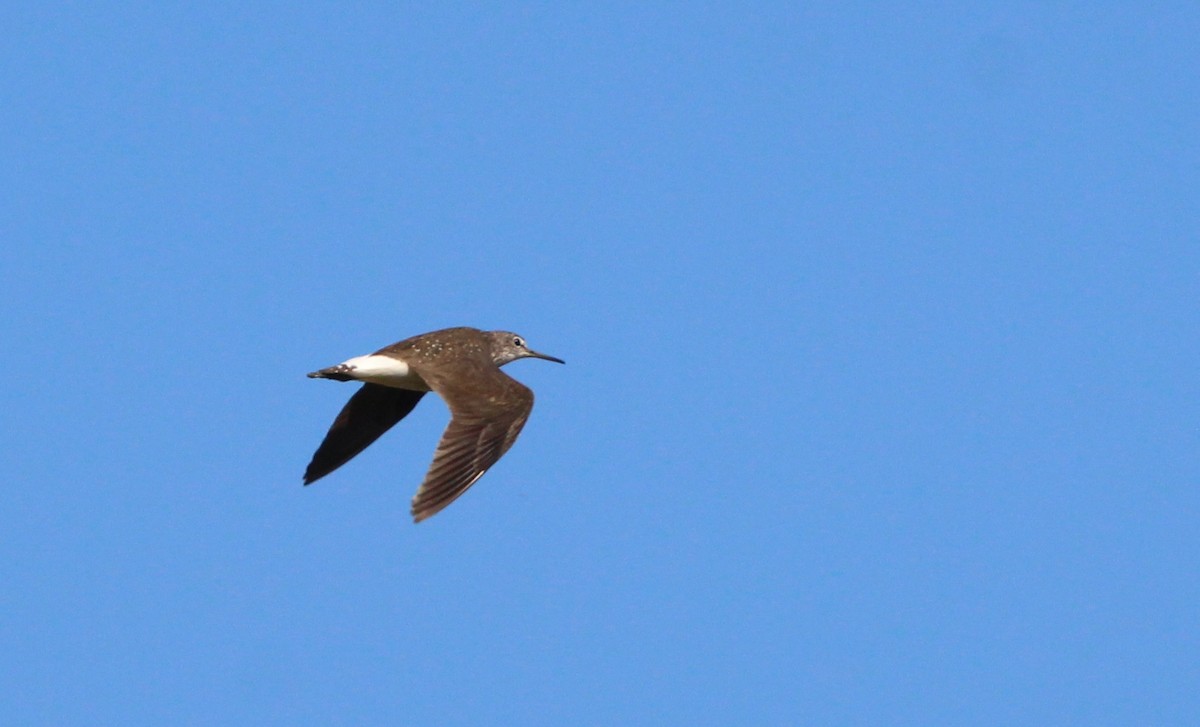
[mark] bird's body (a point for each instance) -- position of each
(488, 408)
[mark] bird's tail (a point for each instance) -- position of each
(338, 373)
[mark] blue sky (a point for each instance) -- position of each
(881, 328)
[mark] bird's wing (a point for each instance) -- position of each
(485, 420)
(372, 410)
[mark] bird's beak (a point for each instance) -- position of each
(535, 354)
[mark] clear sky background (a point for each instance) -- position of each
(880, 404)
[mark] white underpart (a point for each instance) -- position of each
(385, 371)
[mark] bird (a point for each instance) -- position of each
(488, 407)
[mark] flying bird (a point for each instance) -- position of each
(488, 407)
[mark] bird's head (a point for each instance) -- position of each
(508, 346)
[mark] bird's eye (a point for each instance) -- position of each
(518, 342)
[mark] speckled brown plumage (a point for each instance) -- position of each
(488, 408)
